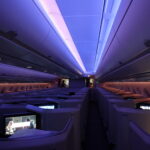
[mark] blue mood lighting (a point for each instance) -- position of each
(110, 12)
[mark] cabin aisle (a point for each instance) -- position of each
(95, 133)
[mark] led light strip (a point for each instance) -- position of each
(53, 14)
(111, 9)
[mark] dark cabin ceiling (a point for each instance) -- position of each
(37, 44)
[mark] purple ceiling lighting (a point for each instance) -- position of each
(110, 12)
(53, 14)
(83, 19)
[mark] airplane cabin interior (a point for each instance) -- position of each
(74, 74)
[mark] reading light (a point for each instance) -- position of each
(53, 14)
(110, 12)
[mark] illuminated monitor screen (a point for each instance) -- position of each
(19, 122)
(47, 106)
(144, 107)
(64, 83)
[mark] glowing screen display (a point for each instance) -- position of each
(145, 107)
(15, 123)
(47, 107)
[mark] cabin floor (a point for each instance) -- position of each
(96, 138)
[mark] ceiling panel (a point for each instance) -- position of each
(80, 7)
(84, 28)
(18, 13)
(87, 52)
(83, 20)
(131, 34)
(85, 32)
(133, 70)
(11, 53)
(25, 19)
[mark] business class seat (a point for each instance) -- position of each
(106, 98)
(75, 106)
(146, 98)
(46, 141)
(126, 90)
(116, 110)
(142, 100)
(141, 118)
(139, 138)
(104, 102)
(60, 129)
(127, 94)
(117, 123)
(19, 87)
(54, 120)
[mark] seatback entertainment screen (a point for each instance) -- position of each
(47, 106)
(19, 122)
(143, 105)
